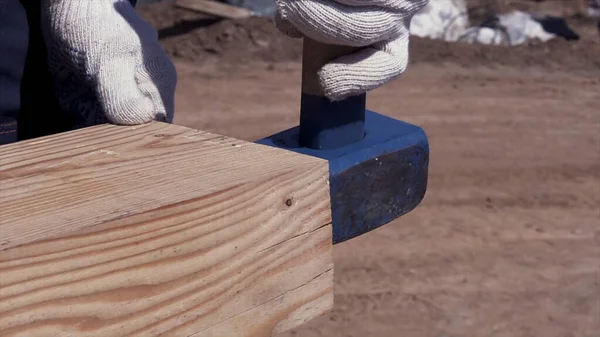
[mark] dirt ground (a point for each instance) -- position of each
(507, 240)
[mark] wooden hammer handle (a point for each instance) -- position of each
(314, 56)
(325, 124)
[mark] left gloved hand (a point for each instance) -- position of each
(107, 63)
(382, 26)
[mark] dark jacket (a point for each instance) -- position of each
(39, 112)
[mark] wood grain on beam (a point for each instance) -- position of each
(160, 230)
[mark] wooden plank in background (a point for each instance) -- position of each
(214, 8)
(160, 229)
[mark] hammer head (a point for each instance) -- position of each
(377, 165)
(374, 180)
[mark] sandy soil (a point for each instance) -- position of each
(507, 241)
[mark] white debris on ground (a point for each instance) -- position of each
(448, 20)
(441, 20)
(593, 10)
(512, 29)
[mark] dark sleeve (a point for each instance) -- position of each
(40, 113)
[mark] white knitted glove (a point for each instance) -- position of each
(107, 63)
(380, 25)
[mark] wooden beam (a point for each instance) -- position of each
(214, 8)
(160, 230)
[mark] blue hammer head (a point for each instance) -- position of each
(378, 166)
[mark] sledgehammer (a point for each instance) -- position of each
(378, 166)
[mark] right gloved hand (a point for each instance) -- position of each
(107, 62)
(380, 25)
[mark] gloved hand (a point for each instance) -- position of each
(106, 62)
(382, 26)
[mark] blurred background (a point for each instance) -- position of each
(507, 240)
